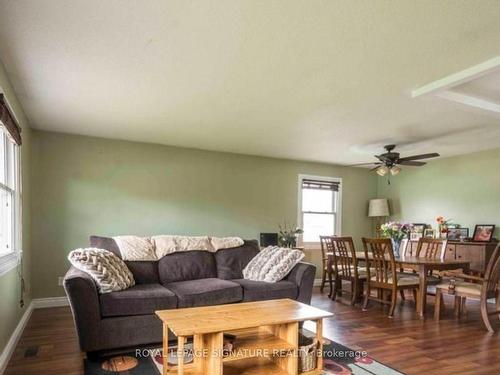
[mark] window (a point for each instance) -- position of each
(9, 194)
(10, 200)
(319, 207)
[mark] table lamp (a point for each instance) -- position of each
(378, 208)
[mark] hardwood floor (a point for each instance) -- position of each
(49, 345)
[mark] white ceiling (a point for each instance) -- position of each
(312, 80)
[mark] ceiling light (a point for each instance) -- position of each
(395, 170)
(382, 171)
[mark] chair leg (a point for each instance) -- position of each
(402, 293)
(394, 298)
(463, 306)
(334, 289)
(354, 292)
(498, 303)
(330, 282)
(456, 306)
(415, 296)
(323, 281)
(484, 315)
(367, 296)
(437, 305)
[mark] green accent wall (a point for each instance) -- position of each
(464, 188)
(90, 186)
(10, 286)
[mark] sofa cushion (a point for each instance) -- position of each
(188, 265)
(137, 300)
(145, 272)
(230, 262)
(205, 292)
(261, 290)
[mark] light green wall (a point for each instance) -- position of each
(465, 189)
(97, 186)
(10, 312)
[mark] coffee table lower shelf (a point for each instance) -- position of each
(249, 356)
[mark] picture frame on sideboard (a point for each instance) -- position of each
(483, 232)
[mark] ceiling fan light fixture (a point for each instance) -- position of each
(395, 170)
(382, 170)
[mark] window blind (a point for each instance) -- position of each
(8, 121)
(320, 185)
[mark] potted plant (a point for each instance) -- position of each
(287, 236)
(396, 232)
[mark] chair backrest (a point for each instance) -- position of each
(492, 274)
(344, 257)
(431, 248)
(381, 265)
(326, 246)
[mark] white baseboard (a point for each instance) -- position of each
(42, 303)
(317, 282)
(38, 303)
(14, 338)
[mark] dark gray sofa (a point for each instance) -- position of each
(187, 279)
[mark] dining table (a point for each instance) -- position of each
(422, 266)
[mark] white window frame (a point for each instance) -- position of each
(10, 260)
(338, 212)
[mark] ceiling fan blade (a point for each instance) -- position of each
(412, 163)
(382, 157)
(377, 167)
(360, 164)
(419, 157)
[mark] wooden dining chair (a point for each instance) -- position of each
(431, 248)
(482, 288)
(382, 273)
(326, 248)
(345, 267)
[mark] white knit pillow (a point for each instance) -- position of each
(272, 264)
(108, 271)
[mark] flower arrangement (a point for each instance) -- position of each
(443, 225)
(395, 230)
(287, 236)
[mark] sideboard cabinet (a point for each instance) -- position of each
(478, 253)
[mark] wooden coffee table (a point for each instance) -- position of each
(263, 330)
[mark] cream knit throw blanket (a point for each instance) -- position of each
(134, 248)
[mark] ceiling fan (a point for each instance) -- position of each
(390, 161)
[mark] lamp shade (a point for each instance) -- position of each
(378, 207)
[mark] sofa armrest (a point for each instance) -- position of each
(303, 275)
(84, 301)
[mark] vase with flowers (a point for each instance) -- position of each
(443, 225)
(396, 232)
(287, 236)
